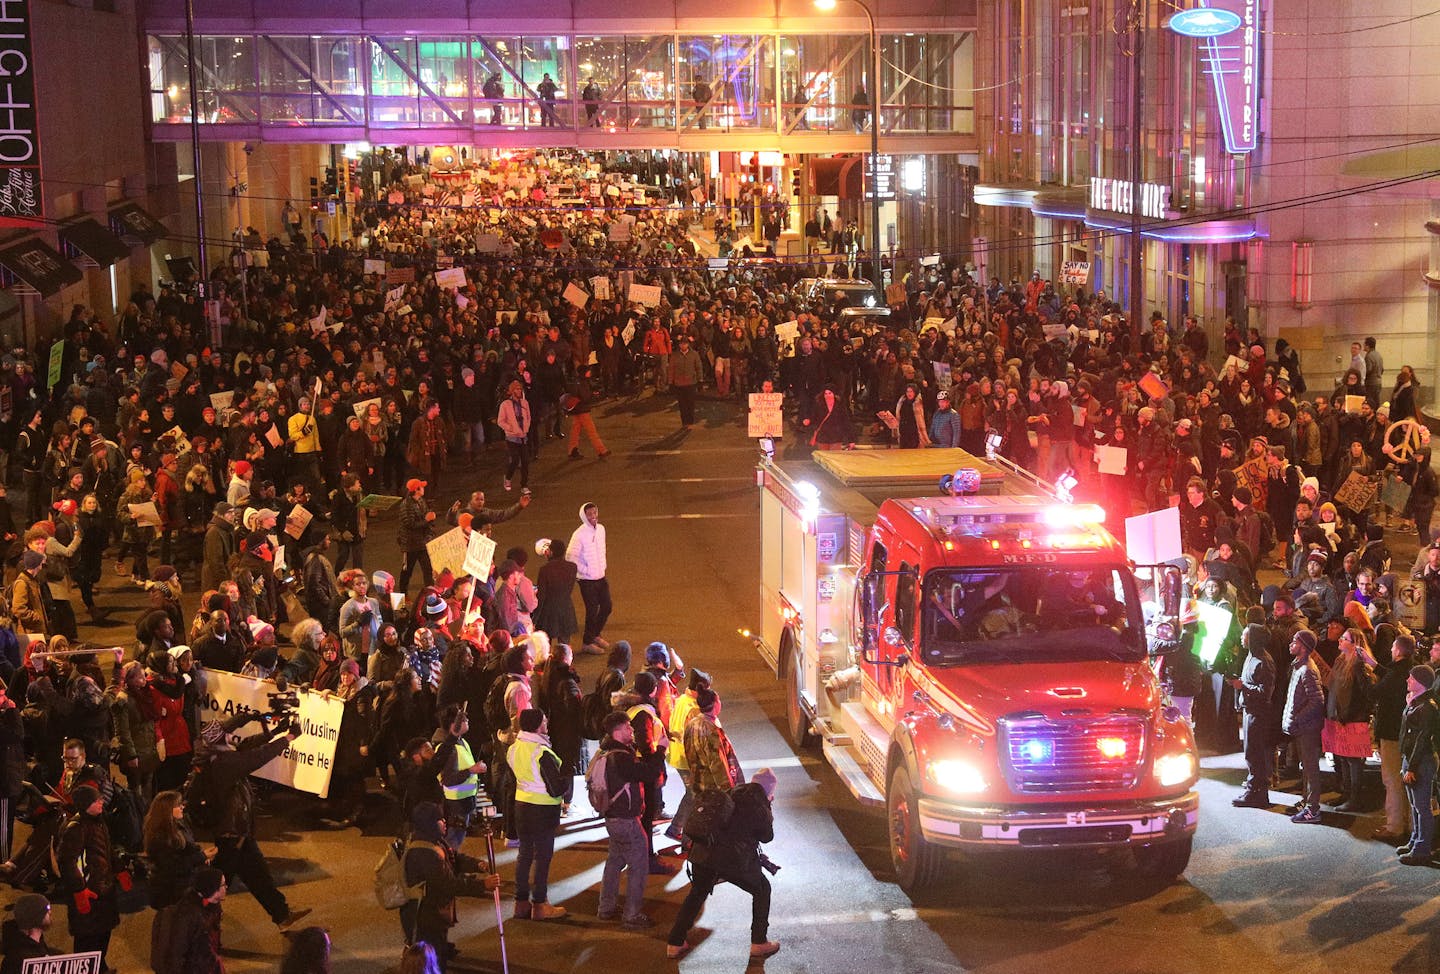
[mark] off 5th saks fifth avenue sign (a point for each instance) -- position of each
(1118, 196)
(1229, 32)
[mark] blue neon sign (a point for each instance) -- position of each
(1204, 22)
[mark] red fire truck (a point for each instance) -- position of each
(971, 651)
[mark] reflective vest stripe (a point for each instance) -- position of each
(471, 784)
(529, 782)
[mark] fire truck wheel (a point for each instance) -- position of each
(801, 731)
(1164, 862)
(917, 862)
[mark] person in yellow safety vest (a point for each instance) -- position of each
(539, 792)
(639, 706)
(459, 773)
(680, 712)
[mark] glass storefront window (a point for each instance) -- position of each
(726, 81)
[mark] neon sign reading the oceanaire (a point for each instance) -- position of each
(1118, 196)
(1230, 31)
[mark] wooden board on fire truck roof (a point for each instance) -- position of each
(902, 468)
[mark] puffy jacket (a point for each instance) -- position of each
(1305, 702)
(135, 731)
(624, 767)
(185, 938)
(712, 761)
(587, 548)
(945, 428)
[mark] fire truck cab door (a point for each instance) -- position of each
(888, 601)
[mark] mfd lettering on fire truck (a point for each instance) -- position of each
(973, 658)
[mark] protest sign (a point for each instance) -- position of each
(717, 263)
(1053, 331)
(1153, 386)
(273, 437)
(57, 355)
(379, 503)
(363, 406)
(1356, 492)
(619, 232)
(1353, 404)
(697, 194)
(787, 331)
(487, 243)
(146, 515)
(575, 295)
(479, 555)
(447, 551)
(393, 297)
(600, 285)
(895, 294)
(1112, 460)
(317, 323)
(942, 375)
(297, 521)
(450, 277)
(400, 275)
(221, 401)
(930, 261)
(85, 962)
(646, 294)
(628, 332)
(767, 414)
(1075, 272)
(1154, 538)
(306, 764)
(374, 266)
(1213, 624)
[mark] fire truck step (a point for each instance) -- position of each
(852, 772)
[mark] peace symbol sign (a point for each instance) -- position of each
(1415, 435)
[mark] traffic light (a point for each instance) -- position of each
(331, 186)
(314, 192)
(795, 182)
(755, 167)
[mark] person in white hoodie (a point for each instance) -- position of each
(587, 551)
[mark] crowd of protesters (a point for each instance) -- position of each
(352, 387)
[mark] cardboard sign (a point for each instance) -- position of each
(895, 294)
(697, 194)
(576, 295)
(146, 515)
(1356, 492)
(447, 551)
(1253, 474)
(393, 297)
(379, 503)
(297, 521)
(1410, 603)
(646, 294)
(1353, 404)
(1154, 538)
(400, 275)
(787, 331)
(450, 277)
(479, 555)
(273, 437)
(1152, 385)
(1112, 460)
(363, 406)
(1075, 272)
(306, 764)
(373, 266)
(600, 286)
(767, 414)
(221, 401)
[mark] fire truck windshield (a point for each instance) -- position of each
(1030, 613)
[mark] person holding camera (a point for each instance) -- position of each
(222, 776)
(435, 875)
(733, 854)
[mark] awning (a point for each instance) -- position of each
(91, 244)
(133, 223)
(35, 267)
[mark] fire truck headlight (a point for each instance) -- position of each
(1174, 769)
(961, 777)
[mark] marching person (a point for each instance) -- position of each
(1256, 686)
(626, 776)
(587, 550)
(416, 521)
(83, 856)
(734, 856)
(1304, 719)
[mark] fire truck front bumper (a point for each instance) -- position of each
(1137, 823)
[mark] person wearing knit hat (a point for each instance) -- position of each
(1418, 732)
(738, 860)
(1255, 688)
(1303, 718)
(32, 919)
(83, 856)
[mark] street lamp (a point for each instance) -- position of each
(827, 6)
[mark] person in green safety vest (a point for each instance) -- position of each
(539, 791)
(459, 773)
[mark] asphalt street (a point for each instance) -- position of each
(680, 508)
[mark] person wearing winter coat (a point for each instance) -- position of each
(1304, 719)
(185, 935)
(1256, 687)
(560, 697)
(587, 550)
(539, 790)
(640, 706)
(945, 424)
(554, 612)
(352, 752)
(1418, 734)
(22, 937)
(416, 522)
(435, 876)
(910, 415)
(734, 856)
(830, 417)
(166, 689)
(627, 775)
(83, 858)
(132, 713)
(1349, 703)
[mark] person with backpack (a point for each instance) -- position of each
(661, 661)
(459, 772)
(83, 857)
(507, 697)
(539, 787)
(650, 738)
(562, 702)
(615, 781)
(733, 855)
(185, 936)
(435, 875)
(680, 713)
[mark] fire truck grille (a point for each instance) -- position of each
(1074, 755)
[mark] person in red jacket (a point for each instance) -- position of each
(167, 502)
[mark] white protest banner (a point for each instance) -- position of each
(600, 285)
(576, 295)
(1112, 459)
(1213, 625)
(930, 261)
(297, 521)
(1053, 331)
(1075, 272)
(450, 277)
(933, 322)
(306, 764)
(447, 551)
(221, 401)
(479, 555)
(363, 406)
(84, 962)
(717, 263)
(1154, 538)
(394, 296)
(646, 294)
(374, 266)
(461, 301)
(146, 515)
(767, 414)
